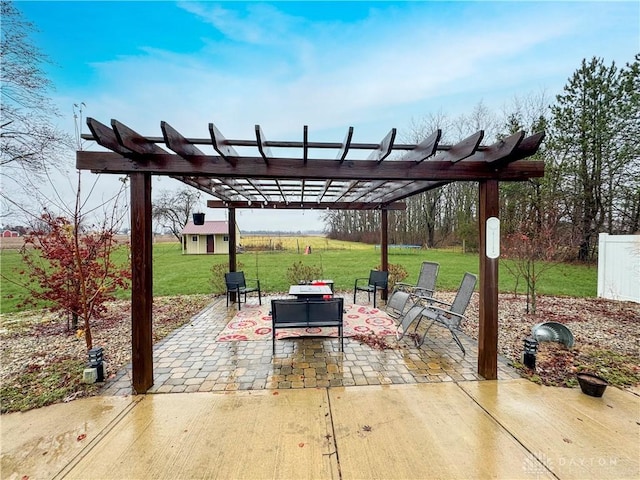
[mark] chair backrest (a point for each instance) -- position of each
(379, 278)
(288, 311)
(397, 303)
(326, 310)
(428, 276)
(465, 291)
(234, 280)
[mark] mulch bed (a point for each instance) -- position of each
(34, 344)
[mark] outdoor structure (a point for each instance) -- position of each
(307, 175)
(212, 237)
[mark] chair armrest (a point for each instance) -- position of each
(422, 289)
(442, 311)
(430, 301)
(435, 300)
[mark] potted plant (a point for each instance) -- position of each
(198, 218)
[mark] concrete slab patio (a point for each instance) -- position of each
(491, 429)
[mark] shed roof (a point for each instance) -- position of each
(210, 227)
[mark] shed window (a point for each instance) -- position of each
(225, 238)
(194, 238)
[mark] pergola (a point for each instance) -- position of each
(310, 175)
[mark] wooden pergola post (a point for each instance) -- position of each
(233, 263)
(384, 244)
(488, 311)
(141, 282)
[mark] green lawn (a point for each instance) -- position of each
(177, 274)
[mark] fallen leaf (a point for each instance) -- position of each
(566, 440)
(366, 428)
(301, 444)
(82, 436)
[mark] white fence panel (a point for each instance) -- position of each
(619, 267)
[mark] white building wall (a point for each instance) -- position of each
(619, 267)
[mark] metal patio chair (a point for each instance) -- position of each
(426, 285)
(236, 283)
(448, 315)
(378, 280)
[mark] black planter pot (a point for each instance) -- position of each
(591, 384)
(198, 218)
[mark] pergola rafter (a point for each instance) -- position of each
(297, 181)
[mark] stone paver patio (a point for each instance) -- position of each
(191, 360)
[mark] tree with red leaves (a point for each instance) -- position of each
(72, 269)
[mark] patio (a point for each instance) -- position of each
(492, 429)
(314, 412)
(191, 360)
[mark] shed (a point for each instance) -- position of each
(212, 237)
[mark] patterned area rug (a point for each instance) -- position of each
(253, 322)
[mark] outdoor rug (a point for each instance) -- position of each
(253, 322)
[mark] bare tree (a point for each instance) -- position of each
(171, 210)
(28, 139)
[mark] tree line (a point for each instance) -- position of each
(592, 176)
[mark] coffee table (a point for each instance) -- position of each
(304, 292)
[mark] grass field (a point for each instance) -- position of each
(343, 262)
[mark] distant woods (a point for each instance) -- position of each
(591, 184)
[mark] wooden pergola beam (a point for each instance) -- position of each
(281, 168)
(501, 155)
(178, 143)
(263, 148)
(305, 143)
(279, 205)
(135, 142)
(385, 148)
(461, 150)
(106, 137)
(221, 145)
(345, 145)
(424, 149)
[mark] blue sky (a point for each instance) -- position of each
(329, 65)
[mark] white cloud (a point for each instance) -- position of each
(262, 66)
(331, 77)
